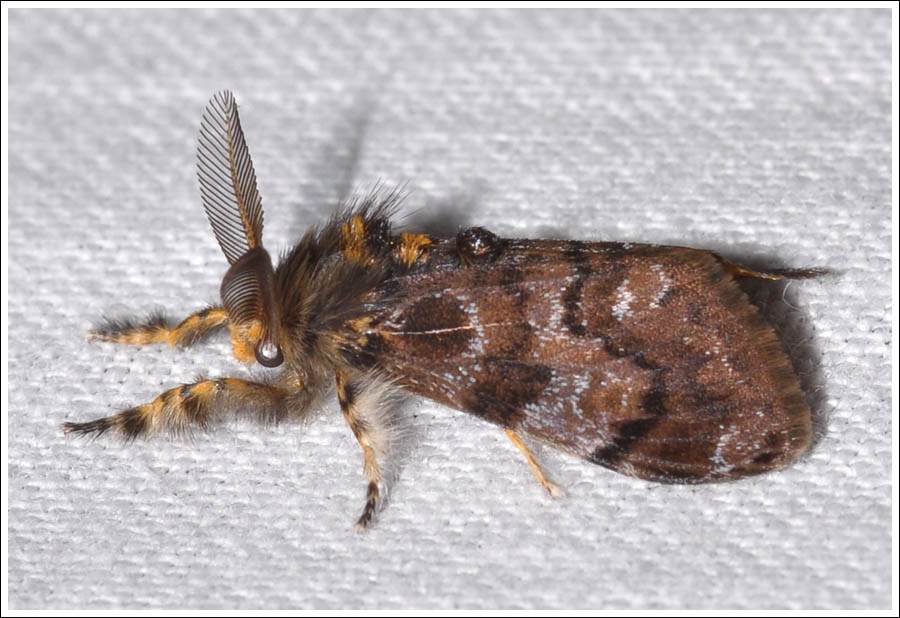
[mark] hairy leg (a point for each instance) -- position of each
(156, 329)
(363, 401)
(191, 406)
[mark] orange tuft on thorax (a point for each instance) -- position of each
(410, 248)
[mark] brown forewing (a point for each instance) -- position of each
(645, 359)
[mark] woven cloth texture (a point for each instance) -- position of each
(762, 135)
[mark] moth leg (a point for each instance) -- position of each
(156, 329)
(776, 274)
(360, 400)
(192, 405)
(552, 488)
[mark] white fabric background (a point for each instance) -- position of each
(764, 135)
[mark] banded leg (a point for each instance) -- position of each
(552, 488)
(360, 401)
(192, 405)
(156, 329)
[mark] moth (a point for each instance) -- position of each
(645, 359)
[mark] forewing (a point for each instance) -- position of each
(648, 360)
(227, 179)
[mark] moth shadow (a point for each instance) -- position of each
(336, 163)
(781, 306)
(445, 216)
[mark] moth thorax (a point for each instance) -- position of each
(250, 299)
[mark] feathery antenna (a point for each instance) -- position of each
(227, 179)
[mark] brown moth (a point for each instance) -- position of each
(645, 359)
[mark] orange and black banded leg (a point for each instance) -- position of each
(197, 405)
(552, 488)
(351, 395)
(156, 329)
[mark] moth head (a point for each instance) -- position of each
(249, 296)
(234, 209)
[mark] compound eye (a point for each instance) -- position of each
(268, 354)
